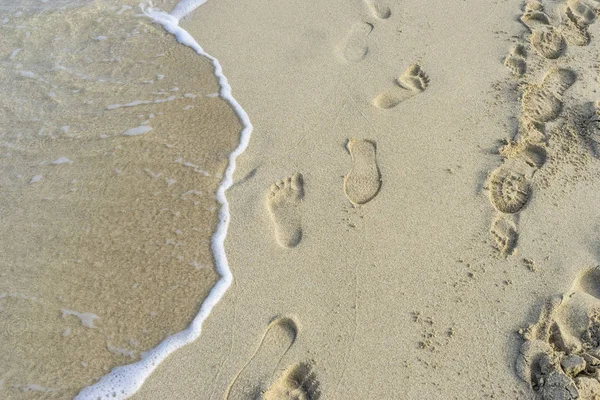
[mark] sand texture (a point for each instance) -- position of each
(416, 216)
(450, 188)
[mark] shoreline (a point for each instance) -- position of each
(126, 380)
(406, 293)
(415, 214)
(114, 145)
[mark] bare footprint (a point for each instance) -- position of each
(356, 47)
(543, 103)
(413, 81)
(363, 182)
(379, 10)
(515, 61)
(414, 78)
(504, 232)
(284, 202)
(296, 383)
(277, 340)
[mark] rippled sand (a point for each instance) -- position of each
(112, 144)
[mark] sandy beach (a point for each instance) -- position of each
(408, 295)
(415, 217)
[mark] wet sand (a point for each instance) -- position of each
(113, 143)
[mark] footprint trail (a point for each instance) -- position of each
(548, 130)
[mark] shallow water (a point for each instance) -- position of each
(112, 145)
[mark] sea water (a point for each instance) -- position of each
(116, 154)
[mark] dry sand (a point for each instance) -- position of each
(427, 201)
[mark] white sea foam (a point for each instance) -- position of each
(123, 9)
(14, 53)
(185, 7)
(62, 160)
(36, 388)
(28, 74)
(123, 382)
(193, 166)
(87, 319)
(138, 102)
(120, 351)
(140, 130)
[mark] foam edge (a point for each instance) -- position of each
(123, 381)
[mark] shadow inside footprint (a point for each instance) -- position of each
(589, 282)
(277, 340)
(580, 12)
(378, 9)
